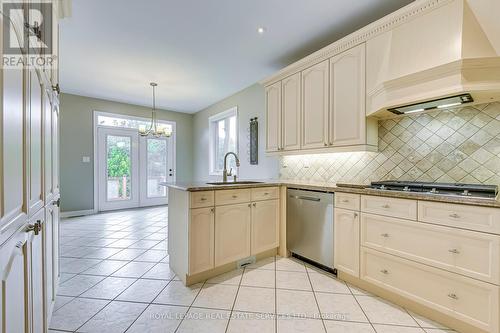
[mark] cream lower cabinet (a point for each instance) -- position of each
(265, 226)
(201, 240)
(232, 233)
(346, 241)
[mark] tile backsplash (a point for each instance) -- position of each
(456, 145)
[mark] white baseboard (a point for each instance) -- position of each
(78, 213)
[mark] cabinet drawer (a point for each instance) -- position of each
(347, 201)
(227, 197)
(460, 216)
(202, 199)
(466, 299)
(265, 193)
(402, 208)
(461, 251)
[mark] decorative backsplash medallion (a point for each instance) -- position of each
(456, 145)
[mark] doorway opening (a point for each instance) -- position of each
(129, 168)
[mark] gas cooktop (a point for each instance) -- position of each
(456, 189)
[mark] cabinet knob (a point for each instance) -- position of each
(385, 235)
(453, 296)
(235, 196)
(454, 215)
(254, 204)
(325, 144)
(355, 215)
(212, 210)
(203, 199)
(249, 205)
(454, 251)
(384, 271)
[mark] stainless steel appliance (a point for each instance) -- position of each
(452, 189)
(309, 229)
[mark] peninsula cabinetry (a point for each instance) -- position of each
(218, 228)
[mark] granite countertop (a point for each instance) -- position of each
(344, 188)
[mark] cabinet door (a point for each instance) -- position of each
(346, 241)
(290, 88)
(55, 244)
(265, 226)
(347, 98)
(14, 288)
(273, 117)
(12, 147)
(315, 106)
(36, 265)
(47, 149)
(232, 233)
(55, 149)
(201, 240)
(35, 140)
(49, 258)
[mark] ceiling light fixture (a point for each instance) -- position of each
(261, 30)
(154, 129)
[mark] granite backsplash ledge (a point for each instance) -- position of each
(456, 145)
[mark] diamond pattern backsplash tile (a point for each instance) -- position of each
(456, 145)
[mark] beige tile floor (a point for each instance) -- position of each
(116, 278)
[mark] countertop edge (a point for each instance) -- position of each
(196, 187)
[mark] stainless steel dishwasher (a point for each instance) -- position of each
(309, 226)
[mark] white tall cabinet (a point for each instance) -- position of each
(29, 186)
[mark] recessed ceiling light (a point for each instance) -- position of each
(261, 30)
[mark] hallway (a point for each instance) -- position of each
(115, 278)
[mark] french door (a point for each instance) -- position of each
(131, 168)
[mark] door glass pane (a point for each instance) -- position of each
(157, 167)
(118, 167)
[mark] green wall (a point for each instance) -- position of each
(77, 178)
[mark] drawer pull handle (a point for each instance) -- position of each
(453, 296)
(235, 196)
(454, 215)
(345, 200)
(386, 206)
(203, 199)
(266, 193)
(384, 271)
(385, 235)
(455, 251)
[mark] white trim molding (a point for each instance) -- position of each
(78, 213)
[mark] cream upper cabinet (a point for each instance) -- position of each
(201, 240)
(315, 91)
(347, 98)
(291, 115)
(232, 233)
(265, 226)
(273, 121)
(346, 241)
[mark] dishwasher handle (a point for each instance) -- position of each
(299, 197)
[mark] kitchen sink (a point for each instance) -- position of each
(243, 182)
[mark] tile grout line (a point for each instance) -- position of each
(363, 310)
(190, 306)
(315, 298)
(234, 301)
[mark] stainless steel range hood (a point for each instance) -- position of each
(440, 103)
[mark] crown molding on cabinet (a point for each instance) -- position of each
(399, 17)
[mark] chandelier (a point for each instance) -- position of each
(154, 129)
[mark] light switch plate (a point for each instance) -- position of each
(86, 159)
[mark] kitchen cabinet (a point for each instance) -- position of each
(232, 233)
(346, 241)
(291, 112)
(347, 98)
(37, 271)
(48, 184)
(265, 226)
(315, 97)
(273, 117)
(201, 240)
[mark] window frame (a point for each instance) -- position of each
(212, 124)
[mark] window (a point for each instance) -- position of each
(128, 122)
(223, 138)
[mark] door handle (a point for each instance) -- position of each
(305, 198)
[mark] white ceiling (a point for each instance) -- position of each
(198, 51)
